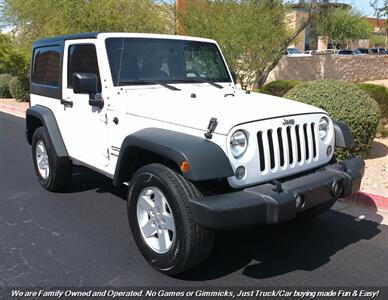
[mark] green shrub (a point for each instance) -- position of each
(4, 82)
(19, 88)
(380, 94)
(343, 102)
(279, 87)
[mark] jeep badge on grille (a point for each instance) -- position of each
(288, 122)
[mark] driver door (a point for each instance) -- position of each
(85, 131)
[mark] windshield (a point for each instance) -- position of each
(148, 60)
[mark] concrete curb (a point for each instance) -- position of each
(12, 108)
(372, 200)
(16, 111)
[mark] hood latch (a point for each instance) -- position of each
(211, 127)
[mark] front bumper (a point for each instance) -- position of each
(272, 203)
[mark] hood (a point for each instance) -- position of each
(182, 108)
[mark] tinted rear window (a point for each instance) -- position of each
(46, 68)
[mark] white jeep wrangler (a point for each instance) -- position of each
(161, 114)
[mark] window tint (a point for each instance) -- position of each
(46, 65)
(82, 59)
(134, 60)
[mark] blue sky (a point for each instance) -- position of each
(361, 5)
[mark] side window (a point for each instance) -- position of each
(46, 65)
(82, 59)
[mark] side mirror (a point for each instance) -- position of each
(87, 83)
(234, 76)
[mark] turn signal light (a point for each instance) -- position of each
(184, 166)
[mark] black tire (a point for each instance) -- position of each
(193, 243)
(60, 167)
(316, 211)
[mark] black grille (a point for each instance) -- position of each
(282, 142)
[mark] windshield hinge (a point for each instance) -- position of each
(211, 127)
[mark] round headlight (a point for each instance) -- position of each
(238, 143)
(323, 128)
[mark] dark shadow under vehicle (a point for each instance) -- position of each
(263, 252)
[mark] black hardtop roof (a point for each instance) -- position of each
(61, 38)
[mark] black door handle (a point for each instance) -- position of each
(67, 103)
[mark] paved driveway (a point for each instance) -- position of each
(80, 238)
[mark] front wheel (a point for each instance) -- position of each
(161, 221)
(53, 172)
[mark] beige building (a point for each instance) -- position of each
(380, 32)
(309, 40)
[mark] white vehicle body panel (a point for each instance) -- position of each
(151, 102)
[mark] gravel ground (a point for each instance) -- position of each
(376, 173)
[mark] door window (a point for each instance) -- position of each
(82, 59)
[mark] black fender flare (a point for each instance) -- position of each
(47, 119)
(206, 159)
(343, 135)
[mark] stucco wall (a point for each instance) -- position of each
(351, 69)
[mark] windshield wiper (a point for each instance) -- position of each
(173, 88)
(200, 79)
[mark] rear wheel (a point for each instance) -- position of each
(53, 172)
(161, 221)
